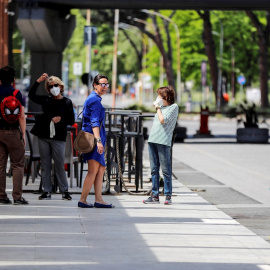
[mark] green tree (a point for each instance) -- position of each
(102, 59)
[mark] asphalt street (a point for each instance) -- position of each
(234, 177)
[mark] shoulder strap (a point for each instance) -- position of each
(15, 92)
(82, 119)
(79, 114)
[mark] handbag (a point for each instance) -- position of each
(85, 142)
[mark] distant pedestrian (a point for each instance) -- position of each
(160, 142)
(94, 122)
(51, 130)
(12, 141)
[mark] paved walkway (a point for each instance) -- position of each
(190, 234)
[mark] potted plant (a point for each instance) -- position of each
(251, 133)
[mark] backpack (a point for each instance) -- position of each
(11, 108)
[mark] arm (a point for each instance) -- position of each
(32, 93)
(70, 119)
(95, 123)
(100, 147)
(22, 123)
(160, 116)
(67, 117)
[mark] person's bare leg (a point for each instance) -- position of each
(93, 167)
(98, 185)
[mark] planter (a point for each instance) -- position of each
(252, 135)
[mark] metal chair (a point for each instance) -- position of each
(32, 155)
(71, 159)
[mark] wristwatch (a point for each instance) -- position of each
(98, 139)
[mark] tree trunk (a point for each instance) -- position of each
(138, 52)
(167, 56)
(167, 63)
(263, 63)
(263, 35)
(210, 50)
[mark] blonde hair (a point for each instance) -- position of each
(55, 80)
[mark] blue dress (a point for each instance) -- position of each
(93, 116)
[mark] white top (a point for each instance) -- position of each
(162, 133)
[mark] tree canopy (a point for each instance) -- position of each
(137, 52)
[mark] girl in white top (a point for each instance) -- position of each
(160, 141)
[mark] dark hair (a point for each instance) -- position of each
(97, 78)
(167, 93)
(7, 75)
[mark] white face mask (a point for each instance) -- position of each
(55, 91)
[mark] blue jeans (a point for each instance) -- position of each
(160, 155)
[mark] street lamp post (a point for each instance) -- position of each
(178, 78)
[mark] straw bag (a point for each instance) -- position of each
(85, 142)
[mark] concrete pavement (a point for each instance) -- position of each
(190, 234)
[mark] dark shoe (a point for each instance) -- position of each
(5, 201)
(100, 205)
(85, 205)
(45, 196)
(21, 201)
(168, 200)
(66, 196)
(151, 200)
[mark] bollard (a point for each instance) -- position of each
(204, 131)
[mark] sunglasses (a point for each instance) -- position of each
(104, 84)
(53, 85)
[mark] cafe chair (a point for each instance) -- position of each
(71, 160)
(32, 155)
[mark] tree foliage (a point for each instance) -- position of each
(102, 59)
(240, 36)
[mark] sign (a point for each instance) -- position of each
(77, 68)
(90, 30)
(241, 80)
(203, 73)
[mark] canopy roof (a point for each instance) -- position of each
(158, 4)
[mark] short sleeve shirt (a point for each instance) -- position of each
(162, 133)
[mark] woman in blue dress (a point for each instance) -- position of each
(94, 122)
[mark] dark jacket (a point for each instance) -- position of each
(51, 108)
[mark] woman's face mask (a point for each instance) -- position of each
(55, 91)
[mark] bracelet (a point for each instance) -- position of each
(98, 139)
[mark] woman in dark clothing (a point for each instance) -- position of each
(51, 130)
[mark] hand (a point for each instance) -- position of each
(23, 137)
(100, 148)
(43, 77)
(56, 119)
(158, 103)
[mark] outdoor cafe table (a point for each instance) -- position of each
(123, 134)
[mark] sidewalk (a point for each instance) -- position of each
(190, 234)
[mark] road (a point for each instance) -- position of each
(235, 177)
